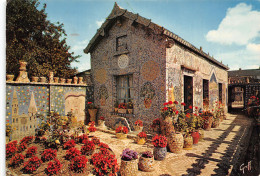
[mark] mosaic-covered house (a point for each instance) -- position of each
(134, 59)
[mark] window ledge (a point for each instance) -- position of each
(122, 114)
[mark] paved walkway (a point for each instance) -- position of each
(215, 156)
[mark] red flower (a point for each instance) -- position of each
(170, 102)
(164, 104)
(92, 129)
(139, 123)
(183, 104)
(102, 118)
(195, 114)
(190, 107)
(176, 102)
(89, 102)
(69, 144)
(78, 163)
(125, 130)
(176, 112)
(48, 154)
(165, 108)
(159, 141)
(88, 148)
(72, 153)
(196, 107)
(53, 167)
(142, 135)
(188, 115)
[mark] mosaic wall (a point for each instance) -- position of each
(24, 101)
(144, 55)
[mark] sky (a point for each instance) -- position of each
(229, 30)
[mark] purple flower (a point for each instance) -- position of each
(128, 155)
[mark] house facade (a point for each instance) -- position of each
(134, 59)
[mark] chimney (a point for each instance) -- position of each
(240, 69)
(201, 48)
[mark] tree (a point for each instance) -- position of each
(34, 39)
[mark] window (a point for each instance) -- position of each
(121, 43)
(205, 92)
(220, 92)
(124, 88)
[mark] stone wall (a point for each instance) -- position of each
(145, 62)
(25, 99)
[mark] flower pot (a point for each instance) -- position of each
(81, 80)
(196, 136)
(121, 135)
(129, 168)
(130, 111)
(201, 133)
(140, 141)
(62, 80)
(159, 153)
(69, 81)
(138, 129)
(208, 123)
(147, 103)
(35, 79)
(101, 123)
(122, 111)
(56, 79)
(215, 123)
(146, 164)
(92, 113)
(188, 141)
(42, 79)
(175, 142)
(9, 78)
(167, 128)
(116, 110)
(75, 80)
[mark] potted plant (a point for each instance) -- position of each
(188, 140)
(160, 143)
(146, 162)
(207, 117)
(91, 127)
(101, 121)
(116, 106)
(92, 109)
(216, 116)
(129, 163)
(156, 125)
(121, 132)
(138, 125)
(122, 108)
(141, 138)
(130, 107)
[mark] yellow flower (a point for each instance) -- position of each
(57, 141)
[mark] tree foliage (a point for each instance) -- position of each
(33, 38)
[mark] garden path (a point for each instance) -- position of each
(216, 155)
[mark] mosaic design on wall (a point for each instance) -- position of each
(59, 96)
(150, 70)
(103, 95)
(213, 89)
(22, 105)
(148, 93)
(75, 102)
(198, 95)
(101, 75)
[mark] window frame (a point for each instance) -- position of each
(126, 88)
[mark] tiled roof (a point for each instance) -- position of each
(117, 11)
(251, 72)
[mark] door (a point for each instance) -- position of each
(188, 93)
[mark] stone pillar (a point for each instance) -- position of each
(23, 75)
(81, 80)
(51, 77)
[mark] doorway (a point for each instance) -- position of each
(188, 93)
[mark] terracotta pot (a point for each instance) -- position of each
(9, 78)
(159, 153)
(196, 136)
(138, 129)
(116, 110)
(146, 164)
(130, 111)
(175, 142)
(62, 80)
(147, 103)
(201, 133)
(140, 141)
(35, 79)
(92, 113)
(129, 168)
(121, 135)
(56, 79)
(42, 79)
(188, 141)
(215, 123)
(208, 123)
(167, 128)
(81, 80)
(69, 81)
(122, 111)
